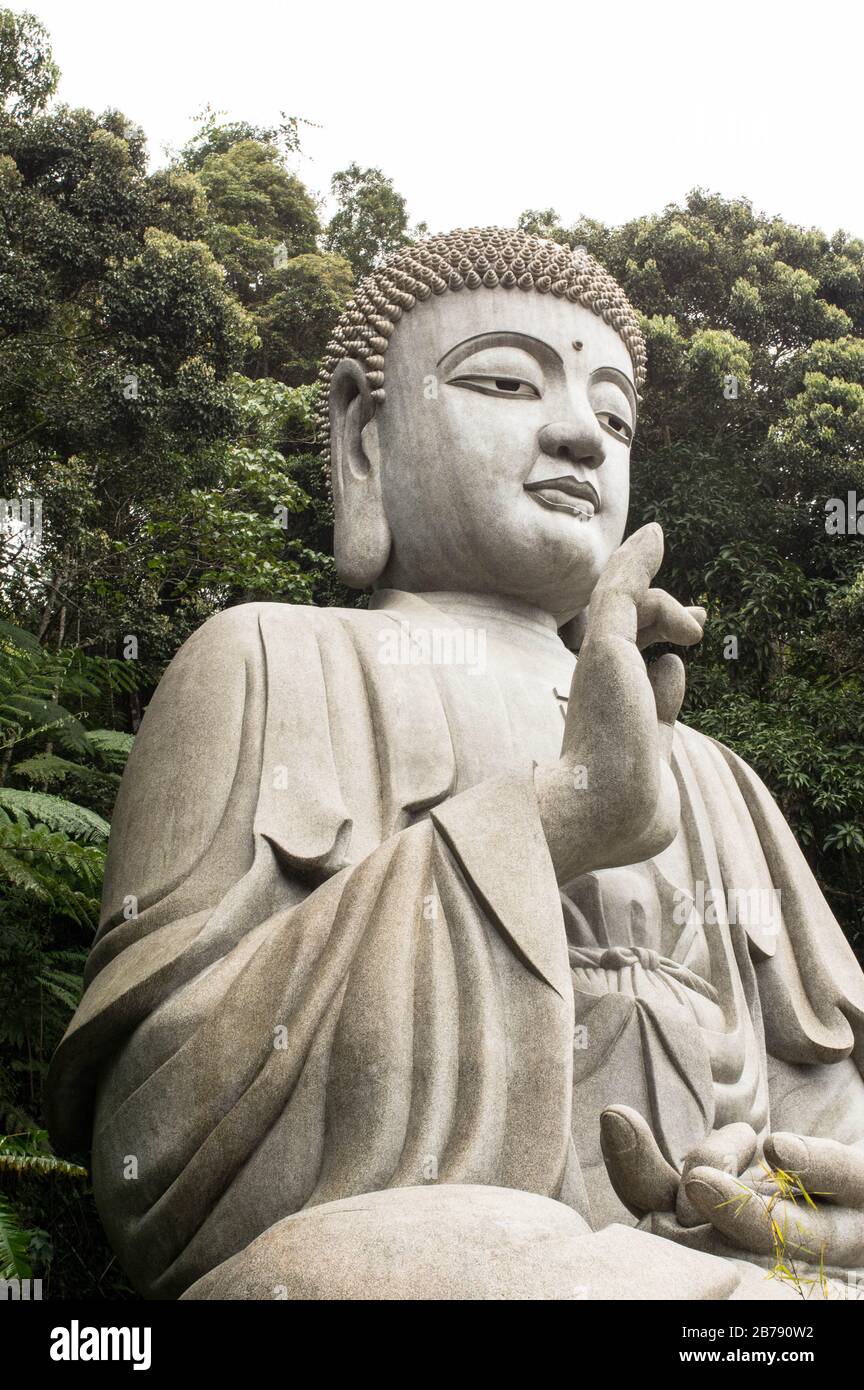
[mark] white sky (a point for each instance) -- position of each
(479, 110)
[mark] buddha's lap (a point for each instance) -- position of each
(464, 1242)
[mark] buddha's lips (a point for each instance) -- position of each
(555, 491)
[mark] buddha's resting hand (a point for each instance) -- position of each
(611, 799)
(743, 1202)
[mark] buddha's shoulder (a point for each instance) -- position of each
(688, 738)
(703, 750)
(247, 625)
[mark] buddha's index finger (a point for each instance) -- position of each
(625, 580)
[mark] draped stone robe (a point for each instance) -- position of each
(333, 956)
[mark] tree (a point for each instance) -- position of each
(28, 73)
(263, 227)
(371, 218)
(303, 299)
(217, 136)
(117, 337)
(256, 206)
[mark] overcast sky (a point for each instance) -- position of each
(479, 110)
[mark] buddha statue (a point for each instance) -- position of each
(422, 970)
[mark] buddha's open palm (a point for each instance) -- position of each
(759, 1209)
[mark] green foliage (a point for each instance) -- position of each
(244, 539)
(263, 227)
(26, 1153)
(14, 1243)
(60, 815)
(28, 74)
(371, 218)
(217, 136)
(40, 1188)
(117, 337)
(304, 298)
(52, 859)
(113, 746)
(256, 206)
(114, 323)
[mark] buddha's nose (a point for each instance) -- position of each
(575, 441)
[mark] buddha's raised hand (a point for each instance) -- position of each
(611, 799)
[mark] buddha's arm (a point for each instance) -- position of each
(611, 798)
(810, 986)
(267, 1037)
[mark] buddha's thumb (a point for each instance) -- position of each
(640, 1175)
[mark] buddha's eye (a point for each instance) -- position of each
(615, 425)
(513, 386)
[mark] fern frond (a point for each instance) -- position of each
(83, 862)
(22, 876)
(27, 641)
(43, 768)
(79, 907)
(63, 986)
(28, 1152)
(76, 821)
(72, 957)
(113, 744)
(13, 1244)
(40, 1163)
(47, 714)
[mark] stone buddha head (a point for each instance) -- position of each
(483, 392)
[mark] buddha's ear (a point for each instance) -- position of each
(362, 536)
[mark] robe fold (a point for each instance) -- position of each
(334, 958)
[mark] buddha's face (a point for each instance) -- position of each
(502, 447)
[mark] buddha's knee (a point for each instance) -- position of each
(459, 1242)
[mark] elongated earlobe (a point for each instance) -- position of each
(362, 536)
